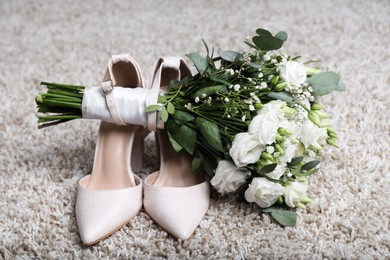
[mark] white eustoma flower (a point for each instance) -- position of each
(294, 192)
(267, 122)
(311, 134)
(293, 73)
(263, 192)
(246, 149)
(290, 147)
(228, 177)
(278, 172)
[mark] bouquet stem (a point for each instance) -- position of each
(60, 103)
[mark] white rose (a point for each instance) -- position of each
(294, 192)
(267, 122)
(293, 73)
(263, 192)
(228, 177)
(245, 149)
(311, 134)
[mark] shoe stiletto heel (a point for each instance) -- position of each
(175, 197)
(111, 195)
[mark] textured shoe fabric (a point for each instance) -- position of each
(178, 210)
(99, 213)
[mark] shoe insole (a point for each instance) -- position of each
(111, 168)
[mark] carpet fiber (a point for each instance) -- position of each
(65, 42)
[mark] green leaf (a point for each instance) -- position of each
(175, 144)
(170, 108)
(267, 43)
(196, 162)
(325, 82)
(162, 99)
(284, 96)
(285, 218)
(152, 108)
(281, 35)
(210, 90)
(210, 132)
(230, 56)
(182, 117)
(206, 47)
(310, 165)
(164, 114)
(295, 161)
(184, 135)
(199, 62)
(263, 32)
(227, 83)
(268, 168)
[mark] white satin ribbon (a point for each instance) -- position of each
(131, 104)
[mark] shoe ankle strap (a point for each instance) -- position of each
(181, 69)
(109, 83)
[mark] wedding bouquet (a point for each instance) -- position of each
(253, 120)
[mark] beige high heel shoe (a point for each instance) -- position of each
(175, 197)
(111, 196)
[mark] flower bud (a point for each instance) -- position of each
(316, 106)
(38, 98)
(300, 205)
(285, 132)
(281, 86)
(267, 156)
(332, 142)
(279, 149)
(311, 71)
(316, 146)
(289, 112)
(275, 80)
(259, 106)
(314, 118)
(306, 200)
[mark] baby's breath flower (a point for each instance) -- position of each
(274, 61)
(270, 149)
(251, 108)
(270, 77)
(266, 57)
(260, 75)
(237, 87)
(243, 118)
(226, 100)
(204, 95)
(197, 100)
(228, 116)
(263, 85)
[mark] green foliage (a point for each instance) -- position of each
(285, 218)
(325, 82)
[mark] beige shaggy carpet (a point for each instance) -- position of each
(70, 42)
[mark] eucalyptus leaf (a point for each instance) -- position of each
(325, 82)
(230, 56)
(267, 43)
(184, 135)
(210, 90)
(182, 117)
(164, 114)
(152, 108)
(284, 96)
(295, 161)
(199, 62)
(176, 146)
(281, 35)
(263, 32)
(210, 132)
(268, 168)
(196, 162)
(310, 165)
(170, 108)
(285, 218)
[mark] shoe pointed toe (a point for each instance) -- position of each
(100, 213)
(178, 210)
